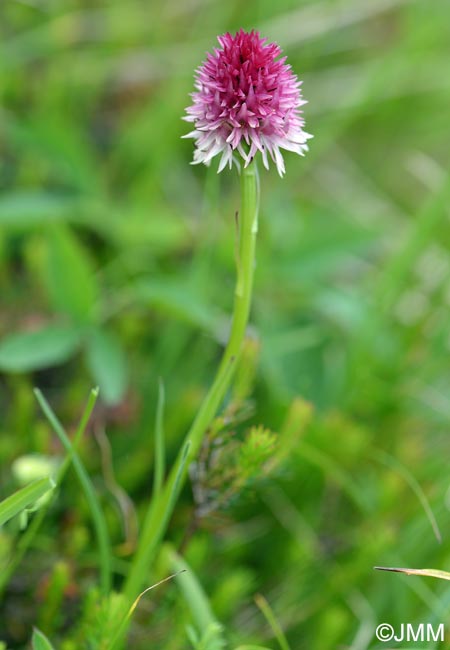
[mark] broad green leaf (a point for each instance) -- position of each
(27, 351)
(179, 300)
(25, 209)
(71, 282)
(165, 233)
(31, 208)
(40, 641)
(58, 141)
(107, 362)
(252, 647)
(17, 502)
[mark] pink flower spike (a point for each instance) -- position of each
(246, 100)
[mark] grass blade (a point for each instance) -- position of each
(193, 593)
(39, 641)
(85, 482)
(163, 512)
(128, 615)
(428, 573)
(23, 498)
(160, 454)
(393, 464)
(92, 399)
(270, 618)
(26, 539)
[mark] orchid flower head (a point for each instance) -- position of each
(246, 100)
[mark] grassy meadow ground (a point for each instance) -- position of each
(117, 269)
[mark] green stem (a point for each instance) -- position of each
(162, 504)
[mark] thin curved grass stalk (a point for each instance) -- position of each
(271, 619)
(98, 518)
(392, 463)
(123, 625)
(180, 468)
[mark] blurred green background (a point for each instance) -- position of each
(117, 268)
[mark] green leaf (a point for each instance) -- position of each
(27, 351)
(70, 280)
(211, 639)
(28, 208)
(17, 502)
(58, 142)
(107, 363)
(177, 298)
(40, 641)
(252, 647)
